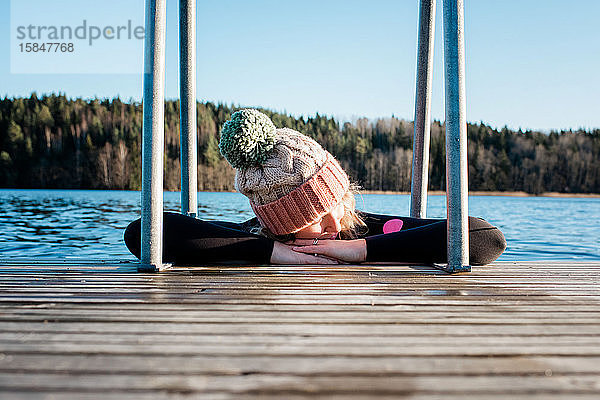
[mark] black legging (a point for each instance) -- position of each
(192, 241)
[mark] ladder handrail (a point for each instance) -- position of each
(153, 136)
(456, 129)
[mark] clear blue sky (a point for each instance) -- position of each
(530, 63)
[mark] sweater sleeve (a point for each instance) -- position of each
(189, 240)
(424, 240)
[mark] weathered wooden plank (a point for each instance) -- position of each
(174, 394)
(259, 383)
(37, 338)
(493, 329)
(342, 276)
(164, 292)
(251, 280)
(258, 287)
(406, 306)
(348, 321)
(359, 319)
(308, 273)
(309, 292)
(93, 267)
(252, 283)
(291, 309)
(306, 366)
(297, 300)
(307, 278)
(271, 349)
(346, 273)
(356, 300)
(379, 317)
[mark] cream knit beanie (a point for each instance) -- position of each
(290, 180)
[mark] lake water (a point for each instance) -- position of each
(89, 224)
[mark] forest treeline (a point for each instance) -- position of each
(56, 142)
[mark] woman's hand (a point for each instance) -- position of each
(352, 251)
(283, 254)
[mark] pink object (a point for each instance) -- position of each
(393, 225)
(306, 204)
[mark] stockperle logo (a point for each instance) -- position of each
(77, 36)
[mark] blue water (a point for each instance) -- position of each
(89, 224)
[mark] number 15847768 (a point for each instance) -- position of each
(47, 47)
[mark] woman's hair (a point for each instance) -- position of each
(351, 222)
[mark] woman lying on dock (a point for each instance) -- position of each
(305, 212)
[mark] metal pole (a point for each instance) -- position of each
(457, 191)
(153, 136)
(187, 95)
(420, 163)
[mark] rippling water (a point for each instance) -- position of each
(89, 224)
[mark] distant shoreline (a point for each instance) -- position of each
(495, 193)
(431, 192)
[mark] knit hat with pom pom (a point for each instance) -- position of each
(290, 180)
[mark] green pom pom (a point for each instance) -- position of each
(247, 138)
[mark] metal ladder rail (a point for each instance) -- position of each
(422, 122)
(188, 117)
(153, 137)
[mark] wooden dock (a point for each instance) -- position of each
(93, 330)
